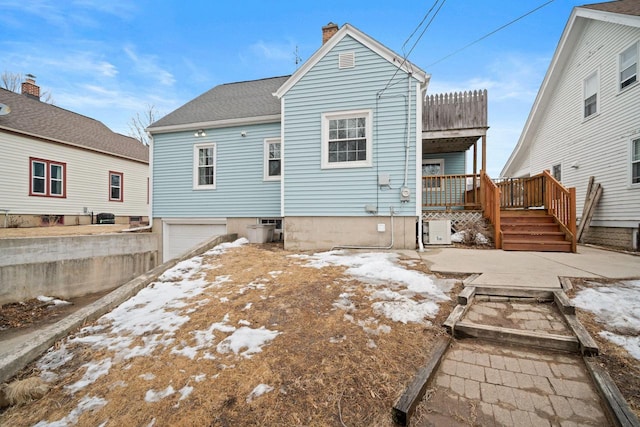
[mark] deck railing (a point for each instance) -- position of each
(561, 203)
(449, 191)
(490, 198)
(542, 191)
(521, 192)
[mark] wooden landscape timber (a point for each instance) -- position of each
(406, 404)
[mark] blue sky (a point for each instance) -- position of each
(109, 59)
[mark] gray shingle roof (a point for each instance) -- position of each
(54, 123)
(625, 7)
(228, 101)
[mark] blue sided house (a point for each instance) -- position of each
(348, 151)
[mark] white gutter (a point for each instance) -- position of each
(273, 118)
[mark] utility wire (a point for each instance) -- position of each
(491, 33)
(404, 59)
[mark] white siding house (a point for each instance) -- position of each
(59, 166)
(586, 119)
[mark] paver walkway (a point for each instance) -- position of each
(488, 383)
(480, 383)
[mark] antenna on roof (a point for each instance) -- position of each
(298, 59)
(4, 109)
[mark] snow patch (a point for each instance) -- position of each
(245, 337)
(87, 403)
(258, 391)
(94, 371)
(155, 396)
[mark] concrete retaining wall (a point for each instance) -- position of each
(72, 266)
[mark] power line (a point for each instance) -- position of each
(404, 59)
(491, 33)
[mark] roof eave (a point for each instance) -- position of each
(71, 144)
(273, 118)
(349, 30)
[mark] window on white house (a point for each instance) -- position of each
(47, 178)
(346, 139)
(431, 168)
(591, 85)
(635, 161)
(272, 159)
(115, 186)
(204, 166)
(556, 172)
(629, 66)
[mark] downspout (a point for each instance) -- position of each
(391, 212)
(419, 106)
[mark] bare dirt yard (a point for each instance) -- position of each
(252, 335)
(62, 230)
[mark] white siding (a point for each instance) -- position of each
(599, 145)
(87, 180)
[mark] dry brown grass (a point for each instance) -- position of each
(324, 368)
(623, 368)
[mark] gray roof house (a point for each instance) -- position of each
(62, 164)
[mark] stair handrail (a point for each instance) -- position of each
(490, 199)
(560, 202)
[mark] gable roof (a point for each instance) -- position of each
(34, 118)
(374, 45)
(625, 7)
(226, 104)
(622, 12)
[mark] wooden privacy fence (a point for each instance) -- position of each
(451, 191)
(460, 110)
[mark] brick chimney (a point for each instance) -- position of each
(30, 88)
(328, 31)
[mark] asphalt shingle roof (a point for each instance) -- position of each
(50, 122)
(228, 101)
(626, 7)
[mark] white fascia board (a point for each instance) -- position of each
(283, 157)
(195, 221)
(610, 17)
(273, 118)
(349, 30)
(420, 88)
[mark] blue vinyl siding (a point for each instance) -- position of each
(312, 191)
(240, 188)
(454, 163)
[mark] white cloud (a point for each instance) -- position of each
(147, 64)
(274, 51)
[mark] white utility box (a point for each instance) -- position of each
(260, 233)
(439, 232)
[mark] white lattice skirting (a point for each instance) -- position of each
(459, 220)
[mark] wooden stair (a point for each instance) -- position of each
(531, 230)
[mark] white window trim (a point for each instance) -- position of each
(267, 142)
(433, 161)
(196, 164)
(630, 163)
(561, 170)
(619, 70)
(584, 95)
(325, 139)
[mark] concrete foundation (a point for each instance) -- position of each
(72, 266)
(622, 238)
(322, 233)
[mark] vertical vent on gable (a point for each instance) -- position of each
(347, 60)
